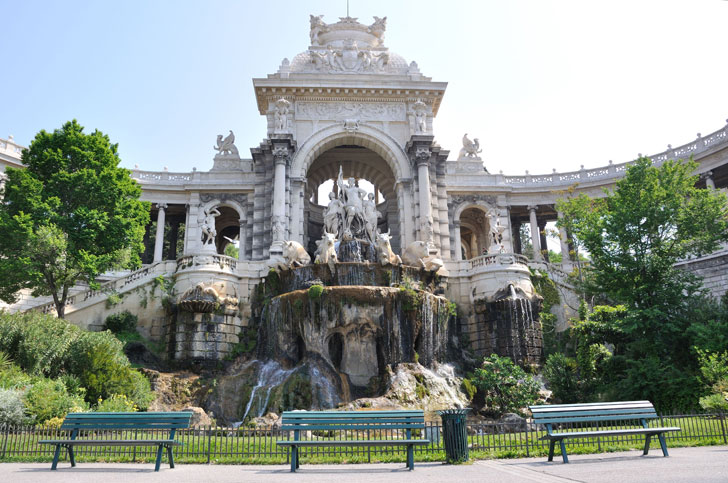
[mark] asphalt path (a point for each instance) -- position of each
(702, 464)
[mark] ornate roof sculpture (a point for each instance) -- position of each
(348, 47)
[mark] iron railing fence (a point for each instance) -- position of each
(228, 444)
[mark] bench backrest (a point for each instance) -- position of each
(101, 421)
(352, 420)
(593, 412)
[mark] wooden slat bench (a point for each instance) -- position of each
(88, 425)
(624, 413)
(343, 421)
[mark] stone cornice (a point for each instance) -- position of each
(267, 90)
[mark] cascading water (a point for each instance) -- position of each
(270, 376)
(511, 326)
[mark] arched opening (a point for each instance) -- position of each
(474, 232)
(369, 171)
(227, 225)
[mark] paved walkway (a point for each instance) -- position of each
(704, 464)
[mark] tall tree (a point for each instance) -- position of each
(69, 215)
(654, 218)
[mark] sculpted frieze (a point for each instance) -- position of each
(457, 200)
(341, 111)
(240, 198)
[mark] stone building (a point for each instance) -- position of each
(349, 103)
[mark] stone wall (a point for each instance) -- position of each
(713, 269)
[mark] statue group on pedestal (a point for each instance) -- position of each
(352, 214)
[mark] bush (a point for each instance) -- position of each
(48, 398)
(12, 411)
(315, 291)
(117, 403)
(121, 322)
(504, 386)
(561, 373)
(43, 345)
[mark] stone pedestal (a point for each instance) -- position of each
(205, 336)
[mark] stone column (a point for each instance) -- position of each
(280, 156)
(458, 242)
(241, 237)
(542, 240)
(709, 183)
(566, 264)
(173, 234)
(159, 240)
(535, 238)
(423, 178)
(516, 237)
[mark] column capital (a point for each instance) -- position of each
(456, 223)
(162, 206)
(532, 207)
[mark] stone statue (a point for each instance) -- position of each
(225, 146)
(378, 27)
(470, 149)
(317, 26)
(352, 196)
(385, 255)
(496, 235)
(208, 226)
(326, 250)
(281, 115)
(420, 109)
(334, 215)
(371, 216)
(418, 255)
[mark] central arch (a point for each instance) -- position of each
(365, 153)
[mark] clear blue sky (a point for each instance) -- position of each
(544, 84)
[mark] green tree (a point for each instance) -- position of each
(70, 215)
(654, 217)
(503, 386)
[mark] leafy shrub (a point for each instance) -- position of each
(12, 411)
(469, 388)
(117, 403)
(5, 361)
(14, 378)
(715, 402)
(121, 322)
(43, 345)
(561, 373)
(504, 386)
(48, 398)
(315, 291)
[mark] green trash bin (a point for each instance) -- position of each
(455, 434)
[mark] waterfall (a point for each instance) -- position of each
(271, 375)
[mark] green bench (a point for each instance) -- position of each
(585, 416)
(343, 422)
(89, 426)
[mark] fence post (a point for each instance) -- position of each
(5, 441)
(721, 415)
(529, 427)
(209, 439)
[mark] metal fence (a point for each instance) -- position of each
(229, 445)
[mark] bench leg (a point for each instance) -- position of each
(648, 438)
(294, 458)
(563, 450)
(71, 456)
(552, 443)
(170, 457)
(159, 458)
(410, 457)
(663, 444)
(56, 454)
